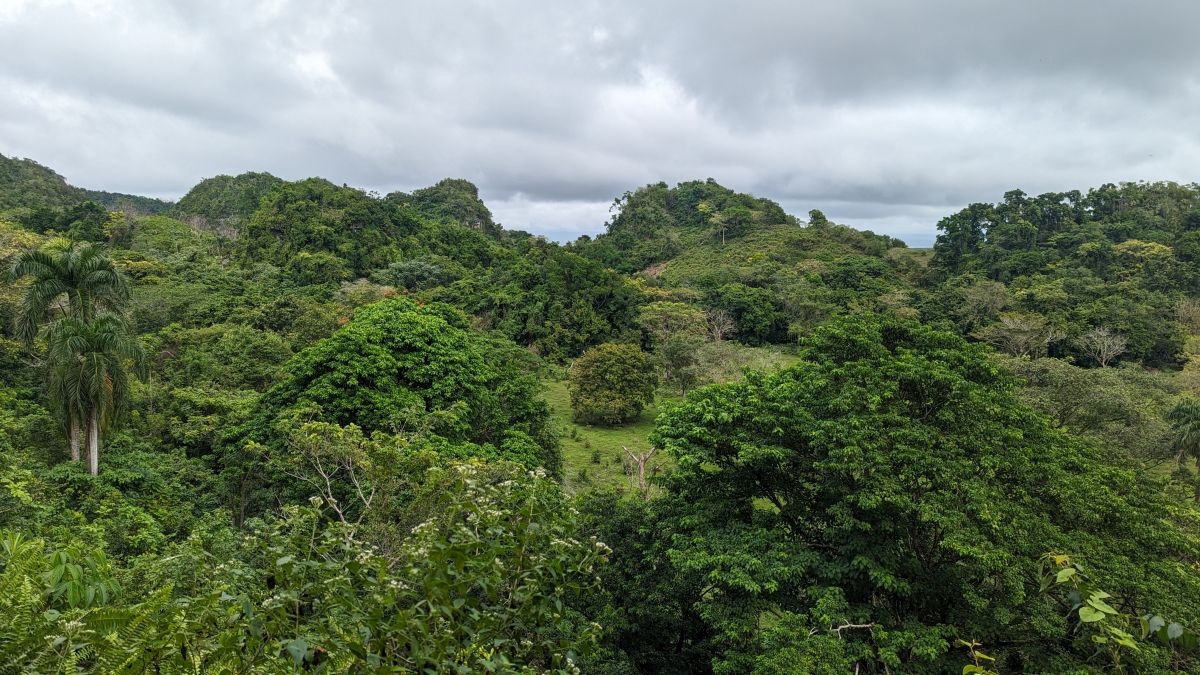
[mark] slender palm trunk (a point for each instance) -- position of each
(74, 438)
(93, 441)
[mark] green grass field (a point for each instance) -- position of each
(580, 472)
(582, 442)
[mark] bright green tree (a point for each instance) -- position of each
(81, 273)
(398, 368)
(888, 493)
(478, 585)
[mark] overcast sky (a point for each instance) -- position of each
(886, 115)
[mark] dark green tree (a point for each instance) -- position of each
(72, 280)
(1185, 420)
(88, 363)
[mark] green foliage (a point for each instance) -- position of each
(479, 586)
(418, 274)
(665, 319)
(551, 300)
(1116, 258)
(224, 203)
(611, 383)
(743, 257)
(419, 371)
(87, 365)
(894, 469)
(88, 352)
(1121, 408)
(755, 314)
(651, 221)
(1185, 425)
(82, 274)
(231, 355)
(39, 195)
(457, 200)
(285, 494)
(650, 610)
(316, 217)
(25, 183)
(313, 269)
(1118, 636)
(84, 221)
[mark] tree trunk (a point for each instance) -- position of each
(93, 442)
(74, 438)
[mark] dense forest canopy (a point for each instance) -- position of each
(291, 426)
(26, 184)
(1118, 258)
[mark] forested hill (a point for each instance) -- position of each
(25, 183)
(774, 275)
(1037, 275)
(293, 426)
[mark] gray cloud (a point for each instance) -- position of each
(885, 115)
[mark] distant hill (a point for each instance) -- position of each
(775, 275)
(131, 204)
(1071, 267)
(26, 184)
(721, 253)
(659, 229)
(224, 203)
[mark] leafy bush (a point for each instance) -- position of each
(611, 383)
(479, 586)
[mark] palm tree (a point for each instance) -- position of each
(74, 279)
(88, 368)
(1185, 418)
(66, 405)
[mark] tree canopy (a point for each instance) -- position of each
(346, 432)
(892, 484)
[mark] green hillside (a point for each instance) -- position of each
(295, 426)
(25, 184)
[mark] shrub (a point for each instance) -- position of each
(611, 383)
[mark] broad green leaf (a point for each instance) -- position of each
(1155, 623)
(297, 648)
(1097, 603)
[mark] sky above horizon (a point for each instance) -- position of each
(884, 115)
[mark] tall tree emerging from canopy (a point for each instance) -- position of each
(80, 272)
(71, 279)
(87, 362)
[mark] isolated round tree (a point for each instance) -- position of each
(611, 384)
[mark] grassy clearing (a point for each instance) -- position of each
(581, 443)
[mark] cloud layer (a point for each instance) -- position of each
(885, 115)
